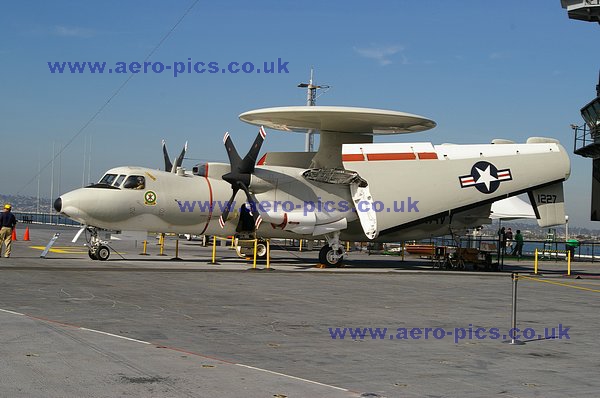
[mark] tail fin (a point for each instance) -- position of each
(172, 167)
(179, 159)
(548, 204)
(168, 164)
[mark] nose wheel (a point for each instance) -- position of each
(92, 254)
(101, 253)
(98, 249)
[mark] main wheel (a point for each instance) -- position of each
(103, 253)
(261, 250)
(92, 254)
(330, 257)
(248, 251)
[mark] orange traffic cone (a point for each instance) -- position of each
(26, 235)
(14, 234)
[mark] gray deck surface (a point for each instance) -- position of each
(149, 326)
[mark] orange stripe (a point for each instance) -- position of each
(428, 155)
(210, 195)
(353, 157)
(391, 156)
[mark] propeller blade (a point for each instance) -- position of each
(253, 204)
(168, 165)
(225, 213)
(234, 158)
(241, 173)
(251, 157)
(179, 160)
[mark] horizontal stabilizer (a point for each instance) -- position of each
(548, 204)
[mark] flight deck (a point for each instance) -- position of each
(153, 326)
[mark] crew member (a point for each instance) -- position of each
(7, 225)
(518, 250)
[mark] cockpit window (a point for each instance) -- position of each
(135, 182)
(108, 179)
(119, 180)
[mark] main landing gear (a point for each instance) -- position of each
(245, 247)
(97, 248)
(332, 254)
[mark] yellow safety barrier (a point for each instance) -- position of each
(161, 242)
(144, 251)
(515, 277)
(176, 250)
(214, 249)
(535, 261)
(571, 285)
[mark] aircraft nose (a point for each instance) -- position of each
(58, 205)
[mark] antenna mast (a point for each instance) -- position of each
(311, 100)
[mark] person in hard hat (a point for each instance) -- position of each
(7, 225)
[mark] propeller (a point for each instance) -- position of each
(172, 167)
(241, 173)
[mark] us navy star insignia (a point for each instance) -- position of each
(485, 177)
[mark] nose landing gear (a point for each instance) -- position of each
(97, 248)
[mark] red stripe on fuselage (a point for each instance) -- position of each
(427, 155)
(210, 194)
(355, 157)
(391, 156)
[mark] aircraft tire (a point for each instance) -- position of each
(103, 253)
(261, 250)
(327, 257)
(92, 255)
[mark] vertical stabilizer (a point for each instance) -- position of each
(549, 204)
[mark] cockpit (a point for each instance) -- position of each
(118, 181)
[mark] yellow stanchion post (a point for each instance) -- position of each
(145, 248)
(347, 246)
(268, 253)
(214, 251)
(254, 260)
(300, 248)
(535, 262)
(232, 242)
(176, 250)
(161, 242)
(569, 262)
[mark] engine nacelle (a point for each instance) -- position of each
(303, 224)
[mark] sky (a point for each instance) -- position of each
(481, 70)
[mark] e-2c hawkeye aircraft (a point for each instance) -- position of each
(350, 189)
